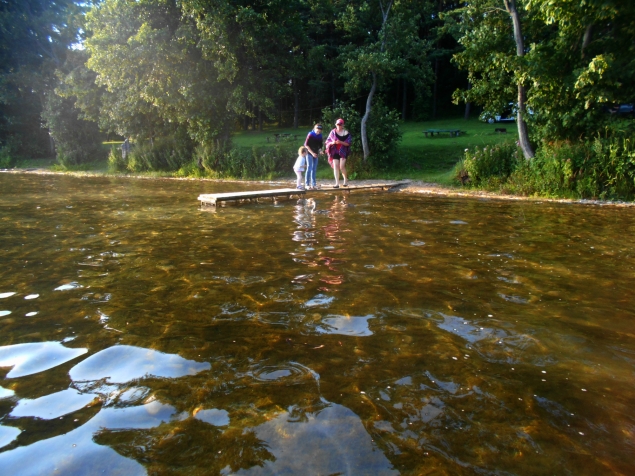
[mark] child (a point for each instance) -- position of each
(300, 165)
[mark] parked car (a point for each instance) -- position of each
(492, 118)
(508, 114)
(623, 110)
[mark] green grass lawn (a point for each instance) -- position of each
(430, 159)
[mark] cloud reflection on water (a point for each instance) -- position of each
(123, 363)
(77, 453)
(27, 359)
(330, 441)
(52, 406)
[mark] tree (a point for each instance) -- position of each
(583, 63)
(521, 109)
(255, 46)
(383, 42)
(36, 35)
(569, 59)
(154, 80)
(493, 39)
(77, 140)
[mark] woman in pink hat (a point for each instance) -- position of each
(338, 145)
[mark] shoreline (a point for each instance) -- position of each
(412, 187)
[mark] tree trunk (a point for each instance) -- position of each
(246, 118)
(369, 101)
(260, 119)
(369, 104)
(586, 39)
(333, 88)
(523, 135)
(296, 104)
(468, 110)
(404, 105)
(468, 105)
(434, 89)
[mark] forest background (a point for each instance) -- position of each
(180, 78)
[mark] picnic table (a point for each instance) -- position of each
(432, 132)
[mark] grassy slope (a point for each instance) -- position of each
(430, 159)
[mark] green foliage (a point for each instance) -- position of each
(384, 132)
(579, 59)
(76, 141)
(600, 168)
(481, 164)
(150, 78)
(212, 159)
(116, 162)
(8, 153)
(387, 49)
(241, 162)
(35, 37)
(164, 155)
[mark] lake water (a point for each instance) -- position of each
(382, 333)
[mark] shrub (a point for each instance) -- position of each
(491, 162)
(168, 154)
(8, 153)
(116, 162)
(218, 159)
(209, 155)
(602, 168)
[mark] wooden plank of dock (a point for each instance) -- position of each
(213, 199)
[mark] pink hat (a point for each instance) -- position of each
(339, 122)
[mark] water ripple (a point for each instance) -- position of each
(288, 373)
(346, 325)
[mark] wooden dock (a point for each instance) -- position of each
(220, 199)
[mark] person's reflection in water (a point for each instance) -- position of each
(333, 234)
(302, 214)
(306, 215)
(305, 233)
(333, 230)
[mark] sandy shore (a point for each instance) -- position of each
(407, 186)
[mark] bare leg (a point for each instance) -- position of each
(343, 170)
(336, 171)
(299, 176)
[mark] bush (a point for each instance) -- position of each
(219, 160)
(382, 130)
(116, 162)
(209, 156)
(8, 153)
(167, 154)
(480, 166)
(602, 168)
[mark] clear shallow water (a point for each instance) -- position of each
(384, 334)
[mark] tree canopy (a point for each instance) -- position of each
(578, 60)
(197, 70)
